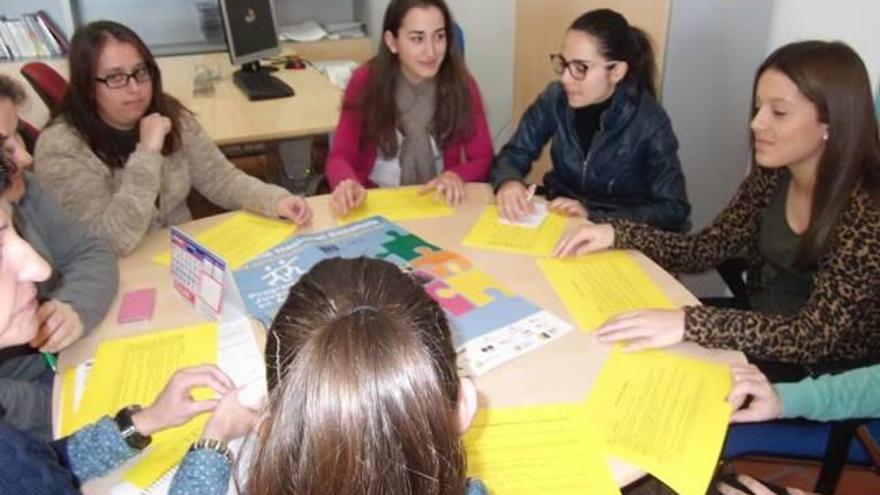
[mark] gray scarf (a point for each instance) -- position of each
(415, 106)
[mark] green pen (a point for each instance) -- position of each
(51, 361)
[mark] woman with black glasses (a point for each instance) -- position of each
(121, 155)
(613, 149)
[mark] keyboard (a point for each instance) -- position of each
(261, 85)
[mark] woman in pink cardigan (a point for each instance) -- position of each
(411, 115)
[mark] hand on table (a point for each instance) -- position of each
(347, 195)
(58, 326)
(569, 207)
(748, 381)
(644, 329)
(447, 185)
(586, 239)
(175, 405)
(294, 208)
(513, 201)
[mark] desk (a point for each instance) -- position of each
(570, 363)
(227, 115)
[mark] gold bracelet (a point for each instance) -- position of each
(218, 446)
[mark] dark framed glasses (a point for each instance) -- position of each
(577, 68)
(120, 80)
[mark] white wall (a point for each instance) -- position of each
(856, 22)
(713, 49)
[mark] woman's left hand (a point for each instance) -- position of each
(644, 329)
(294, 208)
(569, 207)
(448, 185)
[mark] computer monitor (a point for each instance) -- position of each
(250, 36)
(250, 31)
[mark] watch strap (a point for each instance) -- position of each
(218, 446)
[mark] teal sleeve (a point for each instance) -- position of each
(854, 394)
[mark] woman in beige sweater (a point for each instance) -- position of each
(121, 156)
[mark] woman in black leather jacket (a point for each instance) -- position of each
(613, 149)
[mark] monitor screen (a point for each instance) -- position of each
(250, 29)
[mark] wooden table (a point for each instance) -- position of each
(227, 115)
(569, 363)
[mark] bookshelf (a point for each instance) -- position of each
(177, 27)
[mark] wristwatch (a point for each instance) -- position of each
(132, 437)
(218, 446)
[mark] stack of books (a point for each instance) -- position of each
(31, 36)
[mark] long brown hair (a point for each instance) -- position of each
(362, 388)
(452, 115)
(618, 40)
(78, 106)
(833, 77)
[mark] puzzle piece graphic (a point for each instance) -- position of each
(404, 246)
(476, 286)
(440, 263)
(451, 301)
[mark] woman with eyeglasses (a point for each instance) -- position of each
(121, 155)
(613, 150)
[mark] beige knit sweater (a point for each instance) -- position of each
(120, 205)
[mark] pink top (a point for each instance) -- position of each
(469, 158)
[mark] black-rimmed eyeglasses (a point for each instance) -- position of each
(577, 68)
(120, 80)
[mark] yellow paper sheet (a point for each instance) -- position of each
(240, 238)
(664, 413)
(68, 390)
(537, 449)
(399, 203)
(599, 286)
(134, 370)
(489, 233)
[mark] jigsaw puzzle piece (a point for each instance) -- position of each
(441, 264)
(476, 286)
(405, 246)
(452, 302)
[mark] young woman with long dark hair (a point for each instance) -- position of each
(121, 155)
(807, 216)
(412, 114)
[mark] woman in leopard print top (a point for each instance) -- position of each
(816, 152)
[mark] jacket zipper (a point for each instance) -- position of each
(589, 155)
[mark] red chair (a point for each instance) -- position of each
(48, 83)
(29, 134)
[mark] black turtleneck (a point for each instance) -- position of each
(121, 143)
(586, 122)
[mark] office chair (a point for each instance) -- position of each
(47, 83)
(831, 443)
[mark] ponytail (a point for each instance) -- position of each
(643, 68)
(620, 41)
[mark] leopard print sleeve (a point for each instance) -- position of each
(725, 237)
(841, 319)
